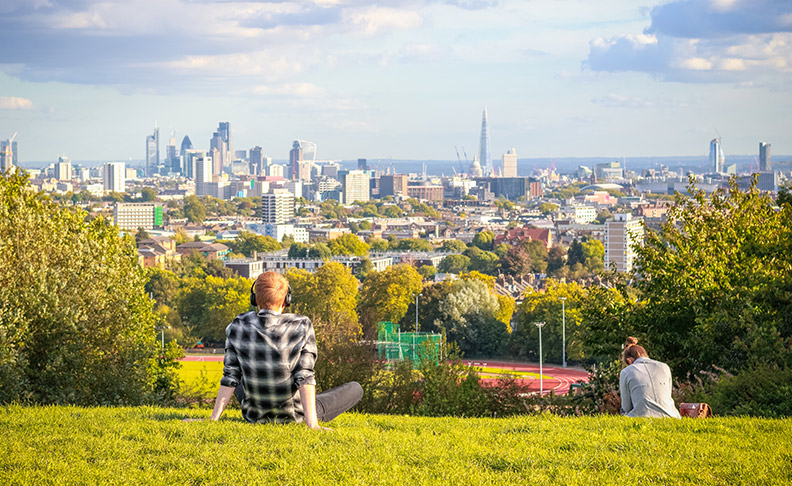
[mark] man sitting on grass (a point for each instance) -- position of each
(269, 363)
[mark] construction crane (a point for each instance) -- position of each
(461, 169)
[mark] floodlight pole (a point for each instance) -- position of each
(540, 325)
(162, 333)
(416, 311)
(563, 330)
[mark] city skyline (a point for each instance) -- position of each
(559, 79)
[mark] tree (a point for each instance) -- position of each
(548, 208)
(141, 235)
(247, 242)
(364, 269)
(538, 252)
(454, 264)
(594, 256)
(148, 194)
(413, 244)
(482, 261)
(556, 258)
(469, 303)
(378, 245)
(484, 240)
(517, 261)
(365, 225)
(427, 272)
(194, 209)
(453, 246)
(329, 298)
(575, 253)
(546, 307)
(298, 250)
(386, 295)
(348, 244)
(181, 236)
(76, 325)
(392, 211)
(321, 251)
(715, 286)
(208, 305)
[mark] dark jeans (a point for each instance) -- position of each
(329, 404)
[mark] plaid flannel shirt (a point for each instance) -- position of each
(271, 355)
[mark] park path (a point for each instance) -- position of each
(558, 379)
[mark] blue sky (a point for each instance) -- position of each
(405, 79)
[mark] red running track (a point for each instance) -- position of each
(558, 381)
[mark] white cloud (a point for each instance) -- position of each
(15, 103)
(305, 90)
(375, 20)
(696, 64)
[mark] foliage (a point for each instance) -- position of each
(209, 304)
(148, 194)
(247, 242)
(348, 244)
(378, 245)
(607, 316)
(413, 244)
(362, 271)
(141, 235)
(76, 325)
(517, 261)
(484, 240)
(546, 307)
(593, 255)
(320, 250)
(600, 395)
(453, 246)
(716, 287)
(466, 311)
(548, 208)
(454, 264)
(386, 295)
(163, 372)
(298, 250)
(194, 209)
(481, 260)
(329, 298)
(427, 272)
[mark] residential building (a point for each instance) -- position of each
(580, 214)
(210, 251)
(277, 207)
(426, 193)
(621, 235)
(393, 185)
(203, 174)
(131, 216)
(515, 236)
(510, 163)
(764, 157)
(63, 169)
(114, 176)
(279, 231)
(355, 186)
(253, 267)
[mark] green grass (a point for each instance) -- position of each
(68, 445)
(194, 373)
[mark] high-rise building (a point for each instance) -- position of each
(363, 164)
(621, 235)
(153, 153)
(295, 157)
(275, 170)
(114, 177)
(485, 151)
(9, 153)
(510, 163)
(189, 158)
(173, 163)
(131, 216)
(355, 186)
(277, 206)
(256, 162)
(764, 157)
(63, 169)
(203, 174)
(717, 161)
(393, 185)
(221, 143)
(185, 145)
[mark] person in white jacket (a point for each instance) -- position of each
(645, 384)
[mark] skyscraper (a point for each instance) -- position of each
(256, 161)
(152, 153)
(174, 163)
(63, 169)
(717, 161)
(277, 207)
(114, 177)
(764, 157)
(203, 174)
(9, 151)
(295, 157)
(362, 164)
(186, 145)
(356, 186)
(221, 141)
(621, 235)
(510, 163)
(485, 152)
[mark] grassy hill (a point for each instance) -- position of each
(70, 445)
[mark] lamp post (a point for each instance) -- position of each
(162, 332)
(416, 311)
(540, 325)
(563, 330)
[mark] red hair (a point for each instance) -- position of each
(270, 289)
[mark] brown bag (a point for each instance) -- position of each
(695, 410)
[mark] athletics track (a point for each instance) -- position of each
(556, 379)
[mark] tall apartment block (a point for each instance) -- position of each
(63, 169)
(764, 157)
(621, 235)
(277, 207)
(393, 185)
(355, 186)
(510, 163)
(114, 176)
(131, 216)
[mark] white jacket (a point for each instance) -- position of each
(645, 388)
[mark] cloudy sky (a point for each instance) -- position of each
(406, 79)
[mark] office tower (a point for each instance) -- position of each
(256, 162)
(224, 129)
(131, 216)
(114, 177)
(717, 160)
(393, 185)
(186, 145)
(203, 174)
(240, 154)
(363, 164)
(9, 153)
(189, 157)
(153, 153)
(277, 206)
(295, 157)
(510, 163)
(764, 157)
(63, 169)
(621, 235)
(276, 170)
(485, 152)
(221, 141)
(355, 186)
